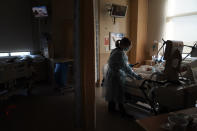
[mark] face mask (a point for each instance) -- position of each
(126, 49)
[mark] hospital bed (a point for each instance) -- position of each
(18, 73)
(159, 97)
(164, 89)
(141, 93)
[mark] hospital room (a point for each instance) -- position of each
(36, 65)
(157, 91)
(98, 65)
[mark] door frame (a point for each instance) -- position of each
(84, 65)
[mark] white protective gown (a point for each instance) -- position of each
(118, 70)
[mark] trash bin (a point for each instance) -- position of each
(61, 73)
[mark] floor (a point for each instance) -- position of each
(112, 122)
(48, 110)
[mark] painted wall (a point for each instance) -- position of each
(142, 31)
(156, 21)
(106, 25)
(139, 18)
(16, 26)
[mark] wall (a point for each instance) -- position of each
(139, 18)
(147, 25)
(142, 31)
(156, 21)
(62, 28)
(16, 26)
(106, 25)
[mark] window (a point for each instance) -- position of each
(4, 54)
(181, 22)
(19, 53)
(14, 54)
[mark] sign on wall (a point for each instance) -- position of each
(106, 43)
(113, 38)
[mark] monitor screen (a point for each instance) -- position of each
(40, 11)
(118, 10)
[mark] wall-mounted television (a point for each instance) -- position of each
(40, 11)
(118, 10)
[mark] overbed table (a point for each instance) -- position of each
(154, 123)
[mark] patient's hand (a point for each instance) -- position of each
(139, 77)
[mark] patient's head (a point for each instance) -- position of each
(124, 44)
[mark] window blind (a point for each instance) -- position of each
(181, 21)
(16, 26)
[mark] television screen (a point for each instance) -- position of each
(118, 10)
(40, 11)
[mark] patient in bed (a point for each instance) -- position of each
(115, 77)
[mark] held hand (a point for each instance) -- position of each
(139, 77)
(132, 65)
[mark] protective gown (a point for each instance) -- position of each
(118, 70)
